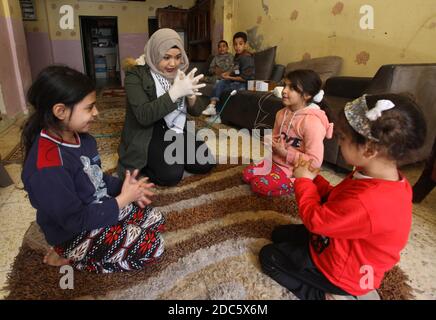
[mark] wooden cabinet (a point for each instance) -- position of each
(199, 33)
(173, 18)
(193, 24)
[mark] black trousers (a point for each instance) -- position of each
(163, 174)
(287, 260)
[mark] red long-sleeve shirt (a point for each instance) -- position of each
(367, 222)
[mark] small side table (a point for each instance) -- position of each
(427, 180)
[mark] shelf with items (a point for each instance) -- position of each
(103, 37)
(105, 62)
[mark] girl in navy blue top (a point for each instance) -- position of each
(93, 221)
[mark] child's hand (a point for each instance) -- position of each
(226, 76)
(132, 191)
(276, 137)
(268, 140)
(279, 147)
(144, 201)
(218, 71)
(304, 169)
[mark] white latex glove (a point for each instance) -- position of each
(196, 81)
(186, 85)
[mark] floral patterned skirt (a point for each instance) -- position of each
(133, 243)
(274, 183)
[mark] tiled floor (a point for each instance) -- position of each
(418, 259)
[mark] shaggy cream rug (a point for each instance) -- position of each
(215, 229)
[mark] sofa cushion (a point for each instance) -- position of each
(336, 104)
(203, 67)
(420, 81)
(347, 87)
(326, 67)
(207, 90)
(264, 63)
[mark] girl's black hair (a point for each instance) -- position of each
(306, 81)
(54, 84)
(241, 35)
(399, 130)
(225, 42)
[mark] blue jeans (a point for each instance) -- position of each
(226, 85)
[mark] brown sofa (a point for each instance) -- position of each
(265, 66)
(242, 110)
(427, 181)
(326, 67)
(416, 79)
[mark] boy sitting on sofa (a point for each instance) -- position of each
(243, 70)
(221, 63)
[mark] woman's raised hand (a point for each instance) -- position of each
(186, 85)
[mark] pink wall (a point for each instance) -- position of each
(15, 76)
(43, 51)
(68, 52)
(22, 53)
(40, 51)
(131, 46)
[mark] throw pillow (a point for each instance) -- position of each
(264, 63)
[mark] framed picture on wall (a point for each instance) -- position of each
(28, 9)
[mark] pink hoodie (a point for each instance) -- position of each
(304, 131)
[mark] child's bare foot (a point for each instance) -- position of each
(54, 260)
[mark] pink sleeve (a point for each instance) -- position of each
(313, 138)
(276, 129)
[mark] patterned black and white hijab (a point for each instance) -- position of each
(175, 120)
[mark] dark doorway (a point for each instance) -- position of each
(100, 50)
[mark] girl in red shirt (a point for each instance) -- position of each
(353, 233)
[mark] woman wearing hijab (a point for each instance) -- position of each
(159, 96)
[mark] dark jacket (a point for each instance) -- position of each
(245, 64)
(144, 109)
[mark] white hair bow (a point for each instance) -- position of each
(318, 98)
(380, 106)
